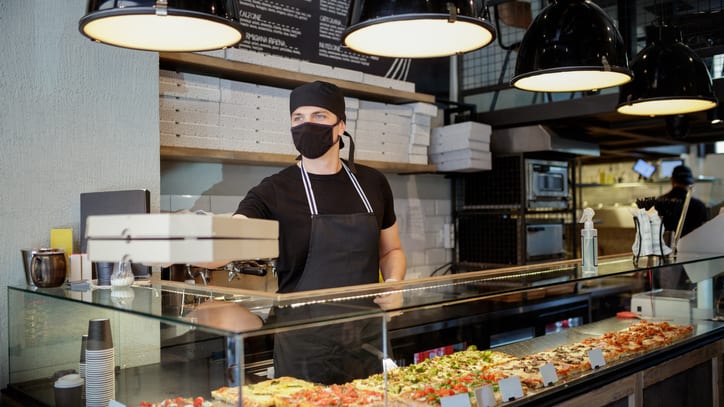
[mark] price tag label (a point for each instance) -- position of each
(595, 357)
(458, 400)
(114, 403)
(510, 388)
(548, 374)
(485, 396)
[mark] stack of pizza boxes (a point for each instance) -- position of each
(393, 133)
(463, 147)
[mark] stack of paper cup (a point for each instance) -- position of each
(83, 347)
(100, 384)
(81, 364)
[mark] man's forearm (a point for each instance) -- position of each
(393, 265)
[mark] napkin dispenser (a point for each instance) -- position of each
(180, 238)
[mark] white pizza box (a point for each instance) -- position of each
(417, 158)
(178, 226)
(390, 109)
(347, 74)
(664, 303)
(181, 251)
(383, 116)
(417, 150)
(421, 119)
(458, 144)
(466, 130)
(179, 238)
(423, 109)
(463, 165)
(460, 155)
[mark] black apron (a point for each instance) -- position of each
(343, 251)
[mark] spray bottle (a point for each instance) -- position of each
(589, 245)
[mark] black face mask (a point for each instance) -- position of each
(312, 140)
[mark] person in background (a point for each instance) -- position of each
(682, 180)
(337, 227)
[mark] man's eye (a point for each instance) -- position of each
(320, 116)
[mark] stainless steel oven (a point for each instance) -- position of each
(546, 183)
(544, 241)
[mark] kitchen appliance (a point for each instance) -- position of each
(544, 241)
(113, 203)
(48, 267)
(546, 183)
(664, 303)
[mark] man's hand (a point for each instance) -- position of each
(392, 300)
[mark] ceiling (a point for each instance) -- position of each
(622, 137)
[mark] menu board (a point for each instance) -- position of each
(311, 30)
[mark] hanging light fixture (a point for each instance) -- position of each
(572, 45)
(417, 28)
(163, 25)
(669, 78)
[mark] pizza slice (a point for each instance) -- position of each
(262, 394)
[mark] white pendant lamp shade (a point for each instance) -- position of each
(669, 78)
(572, 45)
(160, 25)
(416, 28)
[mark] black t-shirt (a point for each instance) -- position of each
(696, 214)
(281, 197)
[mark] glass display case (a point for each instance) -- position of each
(170, 339)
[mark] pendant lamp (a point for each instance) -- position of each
(571, 45)
(163, 25)
(417, 28)
(669, 78)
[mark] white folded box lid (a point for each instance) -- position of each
(175, 226)
(181, 251)
(180, 238)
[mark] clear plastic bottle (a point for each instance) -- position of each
(589, 245)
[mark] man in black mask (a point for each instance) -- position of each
(337, 227)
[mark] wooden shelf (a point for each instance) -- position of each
(241, 71)
(272, 159)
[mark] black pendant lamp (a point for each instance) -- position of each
(417, 28)
(572, 45)
(669, 78)
(163, 25)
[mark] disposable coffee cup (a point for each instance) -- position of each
(83, 347)
(103, 272)
(99, 334)
(68, 391)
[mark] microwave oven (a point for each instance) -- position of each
(546, 183)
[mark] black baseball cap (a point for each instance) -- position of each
(682, 175)
(321, 94)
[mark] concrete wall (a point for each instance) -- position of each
(75, 116)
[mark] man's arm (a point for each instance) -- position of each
(393, 263)
(221, 263)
